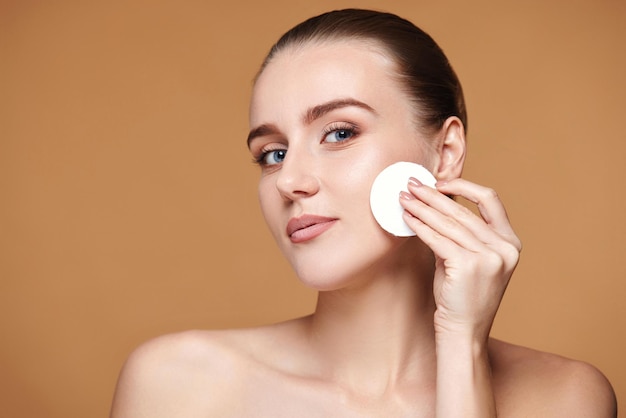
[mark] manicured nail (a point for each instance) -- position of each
(406, 196)
(414, 182)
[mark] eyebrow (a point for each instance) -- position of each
(318, 111)
(311, 115)
(262, 130)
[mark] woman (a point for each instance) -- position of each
(401, 326)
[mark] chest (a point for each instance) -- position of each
(302, 398)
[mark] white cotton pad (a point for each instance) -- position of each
(385, 195)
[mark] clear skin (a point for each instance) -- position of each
(401, 327)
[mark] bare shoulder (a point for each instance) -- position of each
(532, 383)
(170, 373)
(191, 373)
(198, 373)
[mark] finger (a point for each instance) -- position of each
(455, 220)
(441, 245)
(436, 225)
(489, 206)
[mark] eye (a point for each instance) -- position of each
(339, 133)
(272, 157)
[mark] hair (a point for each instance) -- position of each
(422, 67)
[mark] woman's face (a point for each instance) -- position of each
(325, 119)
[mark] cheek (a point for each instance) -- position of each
(359, 180)
(268, 198)
(356, 182)
(366, 166)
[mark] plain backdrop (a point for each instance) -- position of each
(128, 203)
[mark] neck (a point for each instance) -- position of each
(378, 335)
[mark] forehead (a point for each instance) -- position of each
(306, 75)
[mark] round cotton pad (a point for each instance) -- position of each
(384, 196)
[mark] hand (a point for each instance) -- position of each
(475, 255)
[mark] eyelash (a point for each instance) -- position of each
(265, 151)
(333, 127)
(341, 126)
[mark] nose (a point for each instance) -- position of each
(297, 177)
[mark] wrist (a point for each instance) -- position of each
(464, 386)
(468, 346)
(461, 332)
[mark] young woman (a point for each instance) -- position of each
(401, 327)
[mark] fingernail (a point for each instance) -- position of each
(414, 182)
(406, 196)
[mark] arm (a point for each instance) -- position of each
(475, 257)
(464, 385)
(145, 387)
(176, 375)
(132, 396)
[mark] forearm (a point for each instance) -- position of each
(464, 384)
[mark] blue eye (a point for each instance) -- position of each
(339, 132)
(273, 157)
(339, 135)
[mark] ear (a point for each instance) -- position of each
(451, 150)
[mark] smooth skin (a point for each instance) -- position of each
(401, 326)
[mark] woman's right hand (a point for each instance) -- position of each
(475, 258)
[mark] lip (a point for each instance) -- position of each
(307, 227)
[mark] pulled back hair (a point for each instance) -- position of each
(422, 67)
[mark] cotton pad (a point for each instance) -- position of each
(385, 194)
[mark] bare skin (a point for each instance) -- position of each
(401, 327)
(266, 372)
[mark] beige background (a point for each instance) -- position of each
(127, 197)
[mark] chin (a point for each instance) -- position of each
(341, 269)
(348, 255)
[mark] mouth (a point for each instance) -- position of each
(307, 227)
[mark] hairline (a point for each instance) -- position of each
(374, 45)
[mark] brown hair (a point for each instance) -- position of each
(423, 68)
